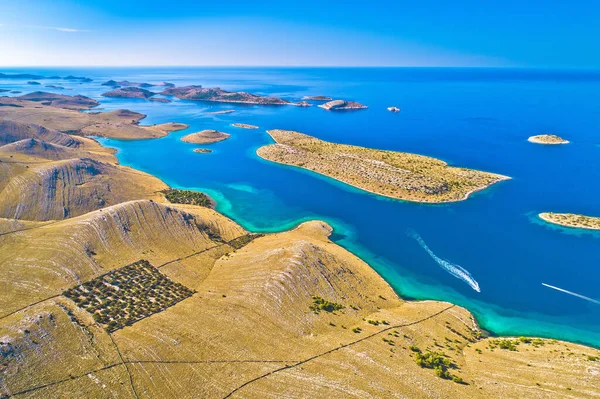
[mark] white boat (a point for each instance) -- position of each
(393, 109)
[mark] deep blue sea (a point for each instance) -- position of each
(474, 118)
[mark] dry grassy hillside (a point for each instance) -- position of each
(287, 315)
(249, 330)
(122, 124)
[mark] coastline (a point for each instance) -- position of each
(548, 218)
(465, 197)
(389, 275)
(265, 148)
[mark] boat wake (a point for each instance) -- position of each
(452, 268)
(572, 293)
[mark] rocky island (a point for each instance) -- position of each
(342, 105)
(198, 93)
(317, 98)
(130, 92)
(159, 100)
(547, 139)
(572, 220)
(205, 137)
(127, 83)
(202, 151)
(392, 174)
(244, 126)
(33, 83)
(60, 100)
(222, 312)
(82, 79)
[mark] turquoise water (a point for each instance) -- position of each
(475, 118)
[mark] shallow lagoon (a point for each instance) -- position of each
(473, 118)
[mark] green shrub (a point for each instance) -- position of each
(188, 197)
(323, 304)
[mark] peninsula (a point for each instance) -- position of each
(60, 100)
(572, 220)
(205, 137)
(60, 113)
(342, 105)
(198, 93)
(130, 92)
(221, 312)
(392, 174)
(244, 126)
(547, 139)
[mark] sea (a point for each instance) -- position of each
(490, 253)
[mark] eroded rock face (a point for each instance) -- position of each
(340, 105)
(129, 92)
(198, 93)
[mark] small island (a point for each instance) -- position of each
(392, 174)
(572, 220)
(303, 104)
(225, 111)
(159, 100)
(202, 151)
(83, 79)
(547, 139)
(55, 87)
(205, 137)
(33, 83)
(199, 93)
(129, 92)
(317, 98)
(244, 126)
(342, 105)
(115, 84)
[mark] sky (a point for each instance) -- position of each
(509, 33)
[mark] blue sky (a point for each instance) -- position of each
(549, 34)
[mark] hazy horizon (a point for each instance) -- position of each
(262, 33)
